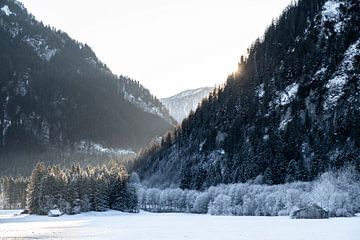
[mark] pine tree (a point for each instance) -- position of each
(132, 199)
(116, 184)
(101, 202)
(293, 172)
(33, 191)
(186, 178)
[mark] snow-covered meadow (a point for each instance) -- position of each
(144, 225)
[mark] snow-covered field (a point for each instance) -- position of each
(117, 225)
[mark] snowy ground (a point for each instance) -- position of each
(116, 225)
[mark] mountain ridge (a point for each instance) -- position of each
(288, 113)
(55, 92)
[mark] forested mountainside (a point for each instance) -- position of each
(181, 104)
(55, 92)
(290, 112)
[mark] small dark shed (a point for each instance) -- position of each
(311, 212)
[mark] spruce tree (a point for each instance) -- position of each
(33, 191)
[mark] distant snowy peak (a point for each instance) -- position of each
(193, 92)
(181, 104)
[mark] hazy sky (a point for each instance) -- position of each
(167, 45)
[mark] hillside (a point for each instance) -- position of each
(55, 93)
(289, 113)
(181, 104)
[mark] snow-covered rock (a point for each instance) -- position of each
(285, 97)
(260, 92)
(6, 10)
(285, 120)
(44, 51)
(336, 84)
(331, 13)
(289, 94)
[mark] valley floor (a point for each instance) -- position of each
(117, 225)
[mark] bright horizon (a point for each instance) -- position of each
(168, 46)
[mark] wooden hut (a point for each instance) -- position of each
(54, 213)
(311, 212)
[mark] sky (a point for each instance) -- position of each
(167, 45)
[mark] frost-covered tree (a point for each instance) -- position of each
(221, 205)
(201, 203)
(337, 192)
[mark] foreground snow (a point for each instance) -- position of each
(117, 225)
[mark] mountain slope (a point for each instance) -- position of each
(55, 92)
(181, 104)
(289, 113)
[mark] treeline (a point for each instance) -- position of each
(12, 192)
(336, 192)
(77, 189)
(22, 163)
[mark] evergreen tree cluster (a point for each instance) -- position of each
(12, 192)
(77, 189)
(289, 113)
